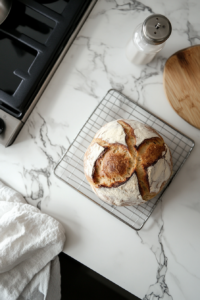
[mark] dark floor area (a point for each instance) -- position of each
(81, 283)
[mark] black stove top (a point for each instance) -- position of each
(31, 39)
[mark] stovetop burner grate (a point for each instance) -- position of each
(34, 46)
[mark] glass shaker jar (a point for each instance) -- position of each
(148, 39)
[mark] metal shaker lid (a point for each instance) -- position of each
(156, 29)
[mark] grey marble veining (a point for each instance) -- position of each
(159, 288)
(38, 180)
(162, 260)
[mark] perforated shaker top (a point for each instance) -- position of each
(156, 29)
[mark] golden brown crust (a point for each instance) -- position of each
(113, 167)
(150, 151)
(148, 154)
(117, 162)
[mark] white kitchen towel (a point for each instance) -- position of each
(29, 244)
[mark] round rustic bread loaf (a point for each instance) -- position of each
(127, 163)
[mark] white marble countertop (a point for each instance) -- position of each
(163, 258)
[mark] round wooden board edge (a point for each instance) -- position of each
(164, 74)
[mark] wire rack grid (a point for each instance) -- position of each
(117, 106)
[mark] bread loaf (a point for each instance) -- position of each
(127, 163)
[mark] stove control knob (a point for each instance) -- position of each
(2, 126)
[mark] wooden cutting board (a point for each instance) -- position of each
(182, 84)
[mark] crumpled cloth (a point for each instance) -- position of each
(30, 242)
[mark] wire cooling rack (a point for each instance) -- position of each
(117, 106)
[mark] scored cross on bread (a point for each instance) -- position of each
(127, 163)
